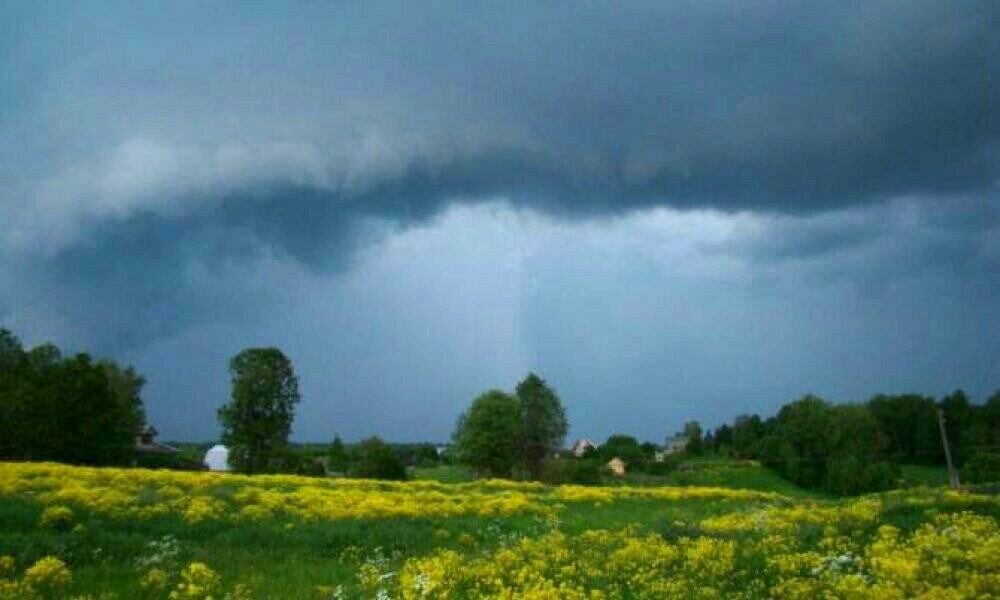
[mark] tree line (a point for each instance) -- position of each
(68, 409)
(78, 410)
(854, 448)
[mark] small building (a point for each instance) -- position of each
(617, 467)
(659, 456)
(581, 446)
(676, 444)
(217, 458)
(145, 441)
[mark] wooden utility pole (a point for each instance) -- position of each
(952, 473)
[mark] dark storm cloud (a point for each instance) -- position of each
(283, 127)
(167, 169)
(790, 106)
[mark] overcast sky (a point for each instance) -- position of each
(669, 210)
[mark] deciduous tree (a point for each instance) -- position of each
(258, 418)
(544, 422)
(488, 437)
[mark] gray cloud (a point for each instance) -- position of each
(606, 107)
(179, 169)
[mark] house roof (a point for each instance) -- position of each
(156, 448)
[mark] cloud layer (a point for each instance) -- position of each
(178, 170)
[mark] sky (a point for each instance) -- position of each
(668, 210)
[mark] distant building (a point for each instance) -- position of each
(676, 444)
(581, 446)
(145, 441)
(217, 458)
(659, 456)
(617, 466)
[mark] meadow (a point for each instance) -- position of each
(723, 531)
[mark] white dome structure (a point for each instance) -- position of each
(217, 458)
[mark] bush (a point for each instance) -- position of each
(983, 467)
(582, 471)
(665, 467)
(150, 460)
(376, 460)
(849, 475)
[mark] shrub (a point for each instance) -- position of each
(559, 471)
(849, 475)
(665, 467)
(983, 467)
(376, 460)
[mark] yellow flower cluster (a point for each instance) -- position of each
(593, 565)
(944, 544)
(198, 497)
(785, 519)
(47, 577)
(955, 556)
(577, 493)
(198, 582)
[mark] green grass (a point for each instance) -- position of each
(727, 473)
(288, 558)
(924, 475)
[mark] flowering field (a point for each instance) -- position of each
(73, 532)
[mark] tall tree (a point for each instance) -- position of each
(748, 432)
(695, 444)
(13, 380)
(909, 423)
(337, 458)
(488, 436)
(126, 385)
(544, 422)
(257, 420)
(722, 441)
(74, 416)
(798, 444)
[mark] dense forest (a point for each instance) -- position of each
(850, 448)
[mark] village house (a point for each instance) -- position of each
(145, 441)
(617, 467)
(581, 446)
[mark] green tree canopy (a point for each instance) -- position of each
(337, 457)
(696, 444)
(488, 437)
(909, 424)
(376, 460)
(126, 385)
(64, 409)
(624, 447)
(544, 422)
(258, 418)
(748, 433)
